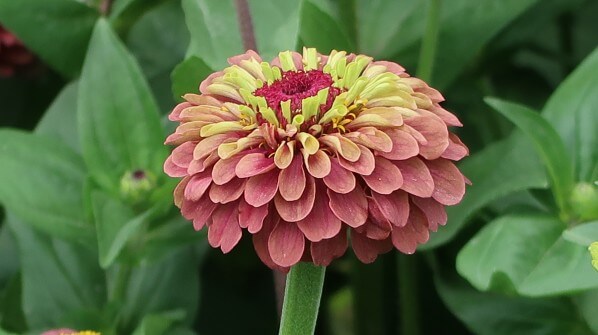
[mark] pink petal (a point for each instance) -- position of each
(224, 232)
(203, 86)
(197, 186)
(248, 55)
(367, 250)
(297, 60)
(446, 116)
(394, 207)
(325, 251)
(404, 146)
(254, 164)
(449, 183)
(372, 138)
(291, 181)
(435, 132)
(260, 241)
(179, 191)
(251, 217)
(211, 144)
(199, 211)
(433, 210)
(294, 211)
(456, 149)
(318, 164)
(321, 223)
(173, 170)
(228, 192)
(183, 154)
(262, 188)
(351, 208)
(385, 178)
(377, 227)
(364, 165)
(174, 115)
(339, 179)
(200, 165)
(417, 179)
(224, 169)
(415, 232)
(286, 244)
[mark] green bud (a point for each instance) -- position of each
(594, 252)
(135, 186)
(584, 201)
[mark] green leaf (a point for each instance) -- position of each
(497, 171)
(116, 224)
(548, 144)
(320, 30)
(67, 25)
(187, 76)
(118, 117)
(572, 112)
(10, 262)
(494, 314)
(150, 289)
(158, 324)
(583, 234)
(586, 302)
(380, 20)
(459, 40)
(214, 31)
(60, 120)
(42, 183)
(60, 280)
(525, 254)
(276, 26)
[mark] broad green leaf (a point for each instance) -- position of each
(11, 305)
(584, 234)
(150, 289)
(60, 280)
(495, 172)
(276, 26)
(526, 254)
(187, 76)
(587, 307)
(67, 25)
(123, 12)
(380, 20)
(60, 120)
(494, 314)
(42, 183)
(159, 324)
(548, 144)
(214, 31)
(4, 332)
(10, 262)
(572, 112)
(460, 40)
(169, 234)
(320, 30)
(118, 117)
(116, 224)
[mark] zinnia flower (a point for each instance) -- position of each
(310, 151)
(13, 54)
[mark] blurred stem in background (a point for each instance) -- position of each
(407, 265)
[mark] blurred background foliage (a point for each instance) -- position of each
(82, 247)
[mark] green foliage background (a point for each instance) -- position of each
(76, 252)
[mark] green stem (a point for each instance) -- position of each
(408, 297)
(121, 282)
(302, 299)
(428, 49)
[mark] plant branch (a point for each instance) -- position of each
(245, 25)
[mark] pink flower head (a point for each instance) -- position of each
(311, 151)
(13, 54)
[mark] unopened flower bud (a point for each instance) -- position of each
(136, 185)
(594, 252)
(584, 201)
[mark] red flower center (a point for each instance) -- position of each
(296, 86)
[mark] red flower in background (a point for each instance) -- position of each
(13, 54)
(312, 151)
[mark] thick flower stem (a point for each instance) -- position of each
(408, 295)
(428, 49)
(302, 299)
(245, 25)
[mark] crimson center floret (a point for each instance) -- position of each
(296, 86)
